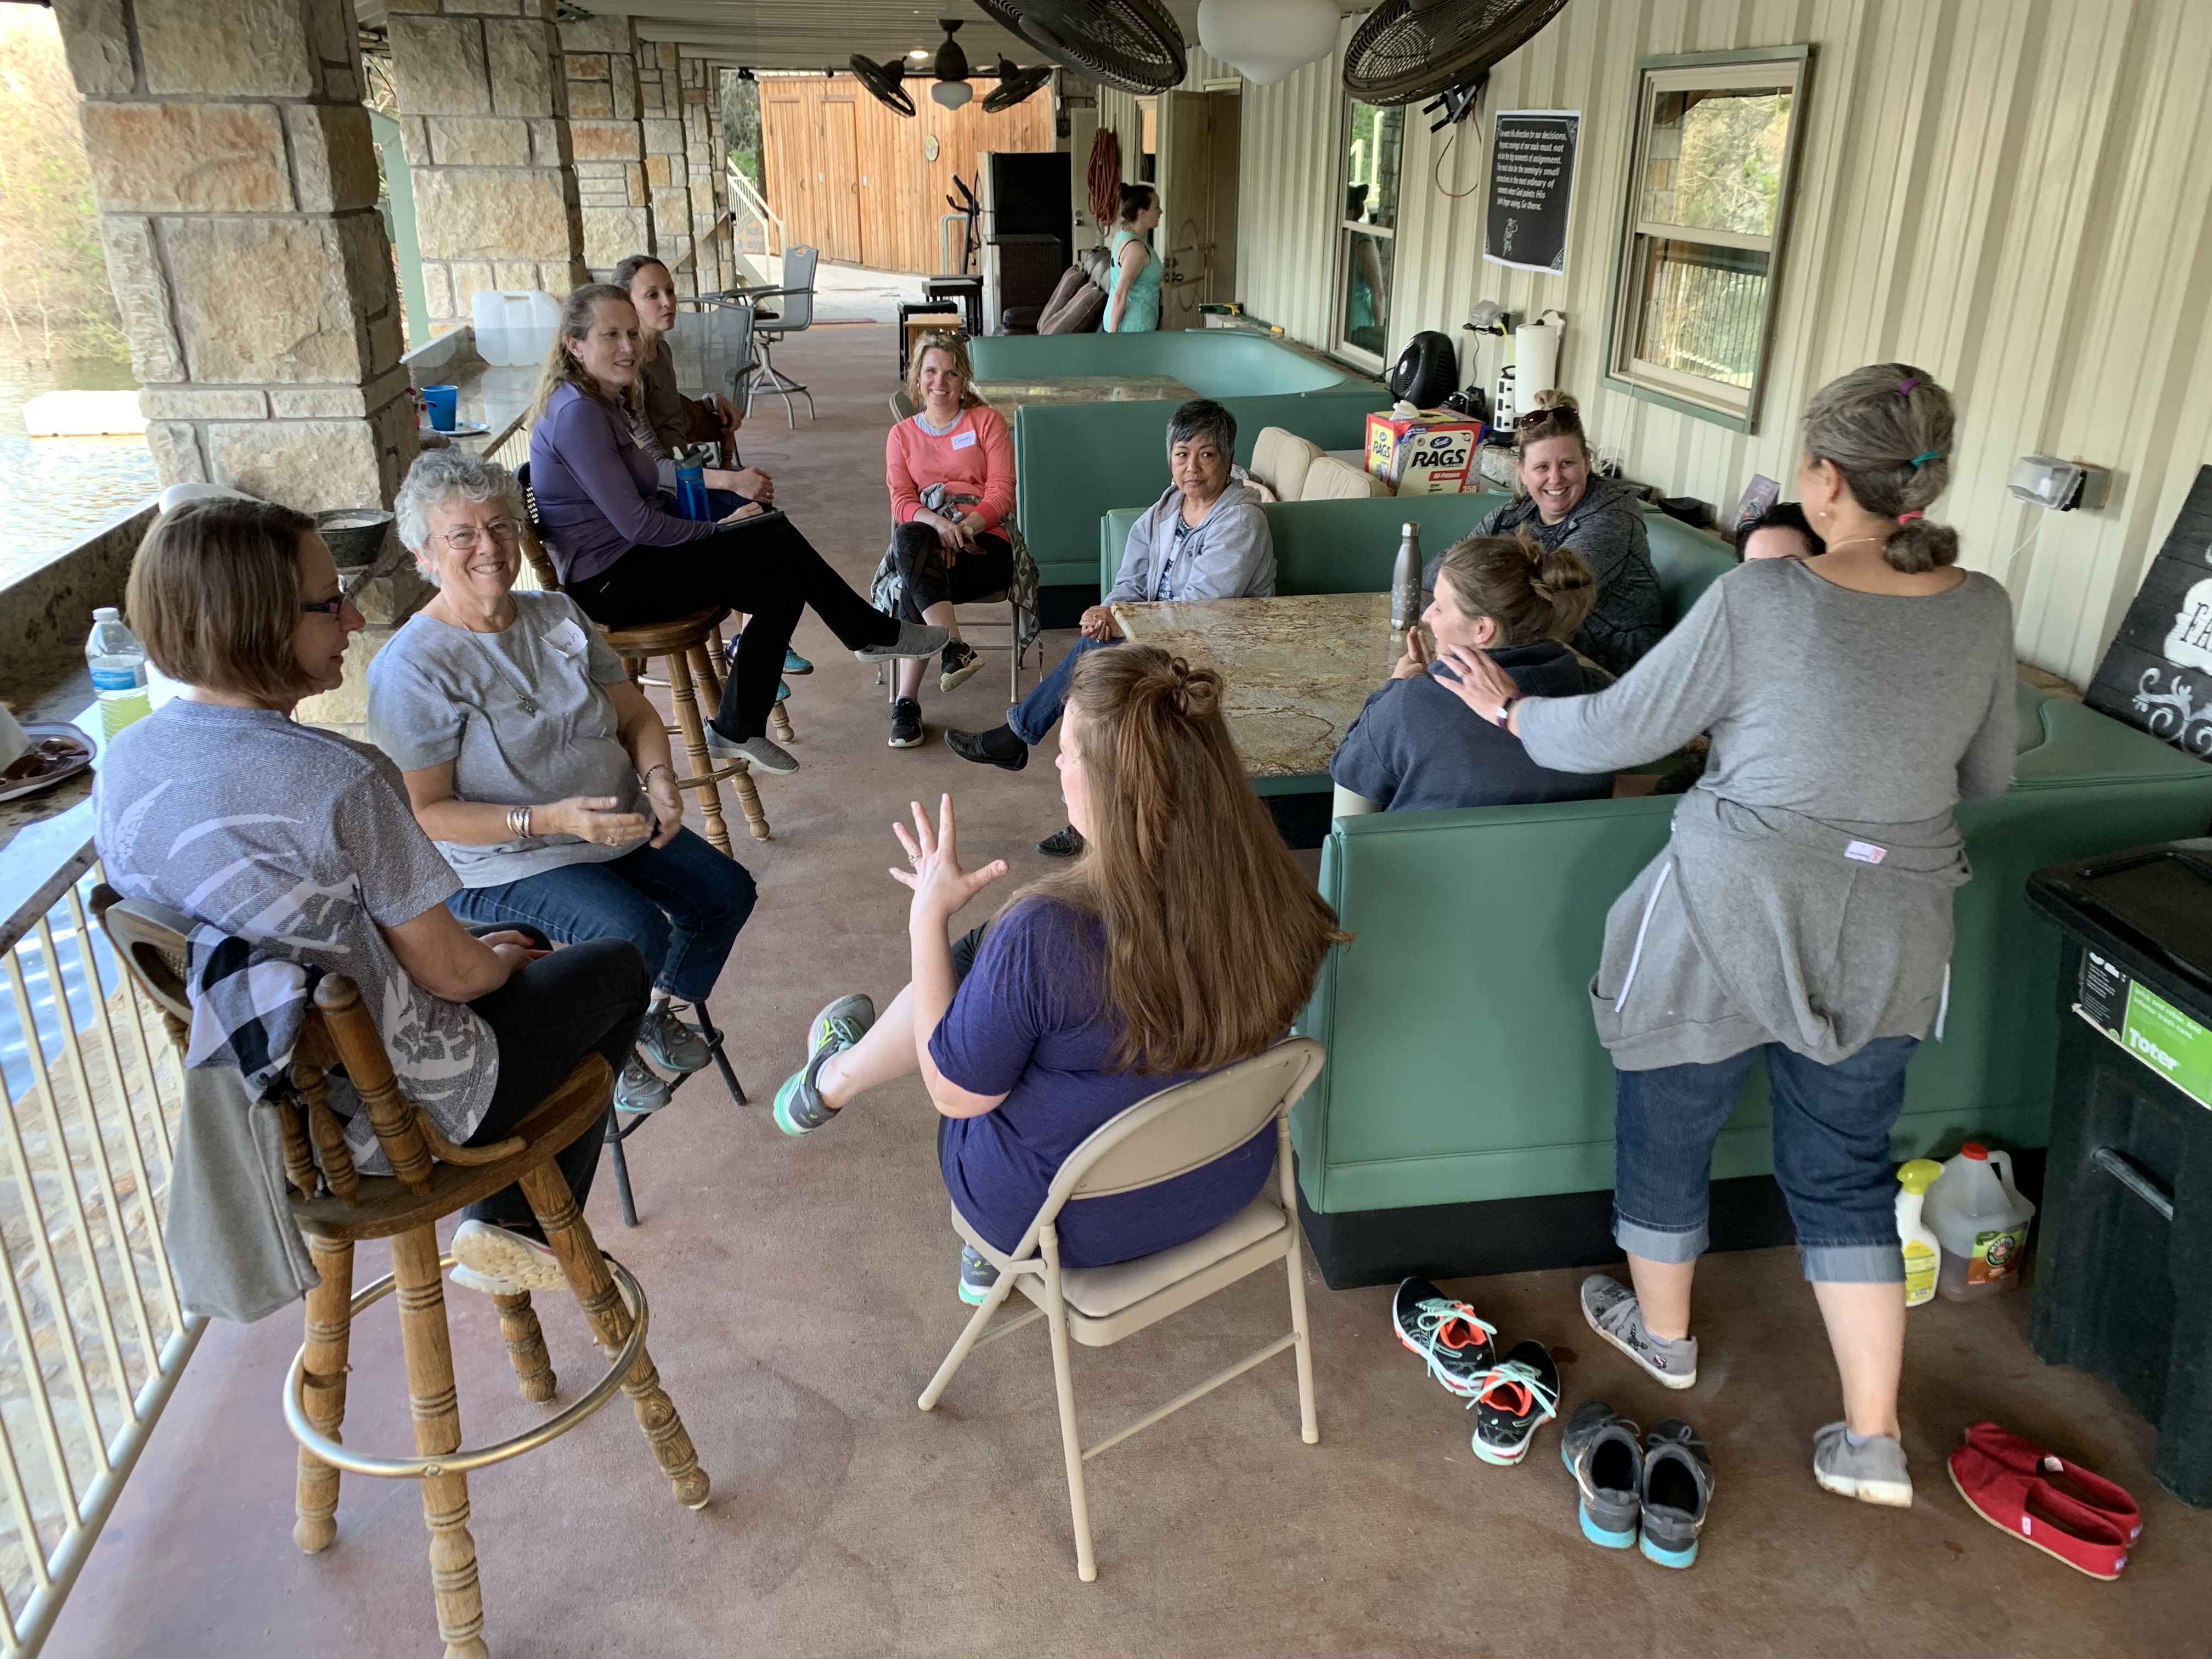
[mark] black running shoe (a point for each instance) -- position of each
(1062, 843)
(957, 665)
(1517, 1396)
(1450, 1338)
(906, 724)
(997, 747)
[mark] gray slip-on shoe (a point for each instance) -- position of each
(1603, 1451)
(914, 640)
(1874, 1473)
(1610, 1307)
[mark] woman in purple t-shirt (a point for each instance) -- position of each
(1185, 940)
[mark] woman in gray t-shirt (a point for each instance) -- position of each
(540, 770)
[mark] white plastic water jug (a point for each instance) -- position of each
(514, 326)
(1981, 1221)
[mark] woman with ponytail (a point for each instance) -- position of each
(1802, 907)
(1185, 940)
(1415, 746)
(1134, 306)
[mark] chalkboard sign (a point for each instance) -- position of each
(2157, 676)
(1532, 181)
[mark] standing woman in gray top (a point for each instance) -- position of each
(1802, 907)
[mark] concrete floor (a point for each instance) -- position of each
(802, 1293)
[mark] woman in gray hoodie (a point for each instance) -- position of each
(1802, 907)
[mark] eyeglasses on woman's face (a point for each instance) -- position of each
(469, 538)
(333, 607)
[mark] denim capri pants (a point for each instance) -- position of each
(1831, 1158)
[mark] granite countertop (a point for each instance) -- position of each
(1006, 396)
(1297, 669)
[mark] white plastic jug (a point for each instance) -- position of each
(1980, 1220)
(514, 326)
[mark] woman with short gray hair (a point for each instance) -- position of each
(540, 769)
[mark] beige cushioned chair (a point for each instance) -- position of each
(1331, 480)
(1168, 1135)
(1279, 460)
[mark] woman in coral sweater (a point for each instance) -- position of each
(949, 468)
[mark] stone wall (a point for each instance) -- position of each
(483, 116)
(709, 166)
(599, 55)
(667, 169)
(45, 613)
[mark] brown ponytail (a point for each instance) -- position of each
(1213, 934)
(1888, 428)
(1531, 594)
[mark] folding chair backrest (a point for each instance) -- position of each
(1179, 1129)
(534, 534)
(151, 937)
(796, 310)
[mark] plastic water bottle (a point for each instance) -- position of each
(1406, 580)
(118, 671)
(691, 490)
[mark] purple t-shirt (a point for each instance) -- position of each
(598, 492)
(1030, 1022)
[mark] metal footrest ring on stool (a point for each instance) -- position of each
(467, 1461)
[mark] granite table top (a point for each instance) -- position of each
(1297, 669)
(1006, 396)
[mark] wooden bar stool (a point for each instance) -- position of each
(336, 1207)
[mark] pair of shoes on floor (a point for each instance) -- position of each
(501, 1261)
(762, 752)
(2071, 1514)
(1612, 1311)
(799, 1108)
(1637, 1491)
(914, 640)
(1511, 1398)
(997, 747)
(977, 1276)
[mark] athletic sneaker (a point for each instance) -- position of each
(500, 1261)
(1448, 1336)
(1601, 1449)
(1062, 843)
(914, 640)
(1514, 1399)
(668, 1042)
(783, 690)
(997, 747)
(1678, 1487)
(800, 1106)
(761, 752)
(906, 724)
(958, 665)
(1873, 1472)
(639, 1088)
(977, 1275)
(1612, 1311)
(794, 664)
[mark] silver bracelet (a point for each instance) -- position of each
(645, 778)
(518, 823)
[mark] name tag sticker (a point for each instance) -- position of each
(963, 441)
(1866, 852)
(567, 638)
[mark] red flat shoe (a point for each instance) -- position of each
(2030, 1508)
(2084, 1485)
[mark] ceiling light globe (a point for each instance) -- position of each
(1265, 39)
(952, 94)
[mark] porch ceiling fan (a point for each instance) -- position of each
(1442, 50)
(1134, 45)
(882, 81)
(1014, 85)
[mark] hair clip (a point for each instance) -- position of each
(1904, 387)
(1910, 518)
(1924, 457)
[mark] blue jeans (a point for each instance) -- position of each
(681, 905)
(1032, 718)
(1832, 1159)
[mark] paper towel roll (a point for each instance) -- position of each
(1537, 360)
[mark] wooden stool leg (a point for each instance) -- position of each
(748, 802)
(526, 1347)
(779, 723)
(437, 1412)
(330, 1327)
(684, 696)
(570, 1236)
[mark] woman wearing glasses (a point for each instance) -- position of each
(1561, 504)
(539, 768)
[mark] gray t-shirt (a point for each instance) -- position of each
(299, 843)
(438, 693)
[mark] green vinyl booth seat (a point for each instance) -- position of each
(1462, 1063)
(1075, 461)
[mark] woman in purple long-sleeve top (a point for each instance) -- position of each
(627, 560)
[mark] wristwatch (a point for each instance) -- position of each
(1505, 712)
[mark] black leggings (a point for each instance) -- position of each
(927, 578)
(766, 569)
(589, 998)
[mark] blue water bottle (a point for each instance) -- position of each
(691, 491)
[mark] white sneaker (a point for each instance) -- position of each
(499, 1262)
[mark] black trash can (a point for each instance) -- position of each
(2124, 1269)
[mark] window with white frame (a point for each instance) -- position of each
(1709, 198)
(1368, 229)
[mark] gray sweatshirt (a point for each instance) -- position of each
(1227, 555)
(1805, 896)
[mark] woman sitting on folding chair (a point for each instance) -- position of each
(1185, 940)
(299, 843)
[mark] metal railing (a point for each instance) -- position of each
(750, 213)
(95, 1339)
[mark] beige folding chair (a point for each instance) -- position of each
(1168, 1135)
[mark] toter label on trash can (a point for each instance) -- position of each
(2146, 1025)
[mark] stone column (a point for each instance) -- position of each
(599, 55)
(707, 167)
(236, 176)
(667, 168)
(483, 114)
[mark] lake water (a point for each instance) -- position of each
(54, 490)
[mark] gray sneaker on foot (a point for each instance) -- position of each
(799, 1108)
(914, 640)
(1874, 1473)
(761, 752)
(639, 1088)
(1604, 1452)
(668, 1042)
(1612, 1311)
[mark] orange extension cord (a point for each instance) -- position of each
(1103, 183)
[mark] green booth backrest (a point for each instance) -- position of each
(1211, 362)
(1462, 1065)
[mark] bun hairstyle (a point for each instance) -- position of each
(1551, 414)
(1529, 593)
(1135, 199)
(1888, 427)
(561, 364)
(1212, 933)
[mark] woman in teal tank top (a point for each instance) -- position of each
(1134, 307)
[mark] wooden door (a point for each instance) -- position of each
(1184, 240)
(837, 181)
(1225, 112)
(787, 165)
